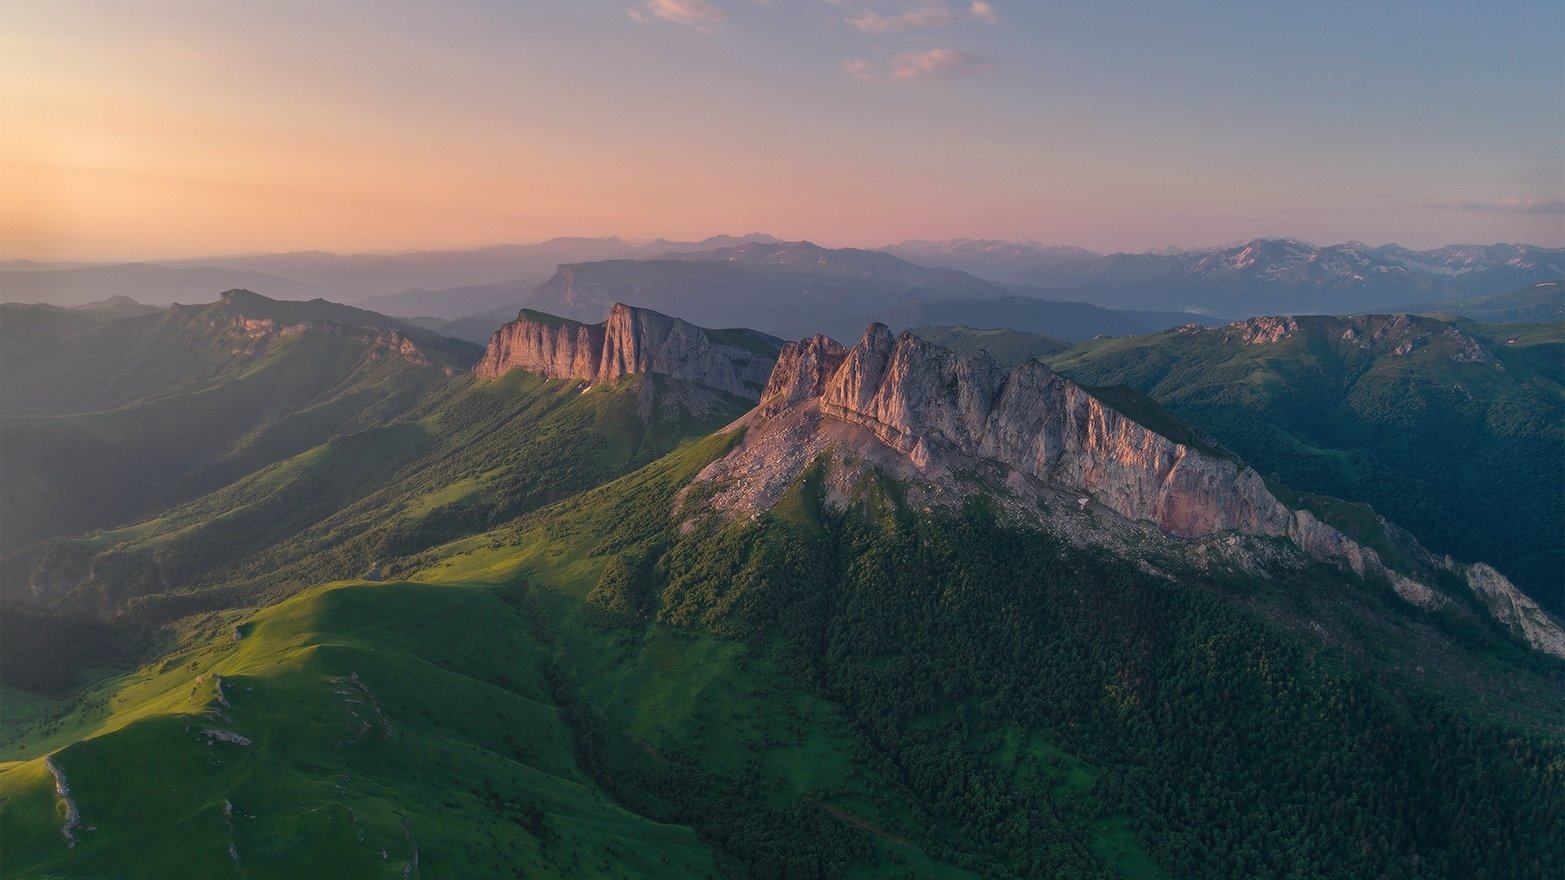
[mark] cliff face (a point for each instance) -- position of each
(925, 401)
(554, 351)
(931, 406)
(631, 340)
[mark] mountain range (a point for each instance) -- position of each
(448, 289)
(296, 587)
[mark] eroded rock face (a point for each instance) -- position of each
(631, 340)
(925, 401)
(1264, 330)
(1515, 609)
(933, 409)
(564, 351)
(801, 372)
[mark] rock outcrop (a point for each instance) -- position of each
(934, 408)
(927, 402)
(62, 790)
(630, 341)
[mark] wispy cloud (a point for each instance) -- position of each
(919, 65)
(1515, 205)
(697, 13)
(921, 15)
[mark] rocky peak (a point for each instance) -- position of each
(1264, 330)
(630, 340)
(802, 371)
(934, 413)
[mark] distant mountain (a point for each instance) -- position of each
(799, 288)
(1070, 321)
(993, 259)
(338, 277)
(117, 307)
(784, 289)
(1286, 276)
(475, 328)
(143, 282)
(1544, 301)
(457, 302)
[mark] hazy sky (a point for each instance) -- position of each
(180, 127)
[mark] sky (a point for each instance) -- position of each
(175, 128)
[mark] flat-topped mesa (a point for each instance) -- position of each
(932, 406)
(630, 341)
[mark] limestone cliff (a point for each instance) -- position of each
(933, 408)
(630, 341)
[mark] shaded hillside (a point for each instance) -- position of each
(1540, 302)
(1009, 348)
(1070, 321)
(1451, 431)
(210, 393)
(58, 363)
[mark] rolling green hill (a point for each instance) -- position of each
(418, 624)
(108, 421)
(98, 469)
(594, 690)
(480, 453)
(55, 362)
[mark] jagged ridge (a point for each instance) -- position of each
(630, 341)
(930, 405)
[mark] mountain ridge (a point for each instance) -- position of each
(937, 412)
(630, 340)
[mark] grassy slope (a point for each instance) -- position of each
(67, 474)
(391, 725)
(1009, 348)
(58, 363)
(482, 453)
(504, 691)
(469, 668)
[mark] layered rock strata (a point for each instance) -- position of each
(630, 341)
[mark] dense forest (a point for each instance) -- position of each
(1229, 729)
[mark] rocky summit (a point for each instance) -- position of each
(937, 413)
(631, 340)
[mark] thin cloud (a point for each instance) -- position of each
(1515, 205)
(697, 13)
(936, 62)
(920, 65)
(860, 69)
(923, 15)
